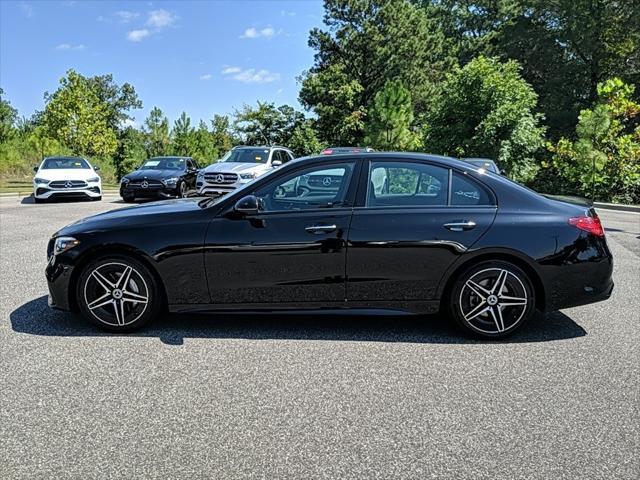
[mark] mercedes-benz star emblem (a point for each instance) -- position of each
(219, 178)
(326, 181)
(144, 184)
(68, 184)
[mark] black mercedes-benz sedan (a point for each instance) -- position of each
(160, 177)
(419, 233)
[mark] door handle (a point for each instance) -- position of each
(460, 226)
(318, 229)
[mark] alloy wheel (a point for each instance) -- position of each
(493, 301)
(116, 294)
(183, 190)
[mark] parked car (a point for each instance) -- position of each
(69, 177)
(443, 236)
(240, 165)
(341, 150)
(485, 163)
(160, 177)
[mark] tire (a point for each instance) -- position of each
(182, 190)
(113, 306)
(492, 300)
(127, 198)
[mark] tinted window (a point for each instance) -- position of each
(60, 163)
(164, 163)
(247, 155)
(466, 191)
(407, 184)
(315, 187)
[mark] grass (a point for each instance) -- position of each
(25, 186)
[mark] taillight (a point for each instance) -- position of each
(591, 225)
(327, 151)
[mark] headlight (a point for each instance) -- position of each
(170, 182)
(94, 179)
(124, 180)
(40, 180)
(248, 176)
(62, 244)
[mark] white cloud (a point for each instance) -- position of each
(251, 75)
(129, 122)
(229, 70)
(126, 16)
(68, 46)
(138, 35)
(161, 19)
(206, 76)
(267, 32)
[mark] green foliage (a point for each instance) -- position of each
(366, 43)
(156, 128)
(485, 109)
(76, 117)
(222, 137)
(303, 140)
(182, 136)
(8, 117)
(604, 160)
(389, 126)
(130, 153)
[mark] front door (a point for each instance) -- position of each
(414, 222)
(293, 250)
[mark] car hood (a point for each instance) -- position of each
(66, 173)
(145, 215)
(235, 167)
(153, 174)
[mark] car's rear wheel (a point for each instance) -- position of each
(118, 293)
(492, 299)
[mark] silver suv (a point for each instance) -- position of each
(240, 165)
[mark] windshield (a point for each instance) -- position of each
(61, 162)
(169, 163)
(247, 155)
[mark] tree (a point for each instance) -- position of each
(182, 135)
(604, 160)
(222, 137)
(565, 47)
(118, 99)
(366, 43)
(8, 117)
(156, 128)
(130, 152)
(303, 140)
(77, 117)
(486, 109)
(390, 121)
(267, 124)
(202, 145)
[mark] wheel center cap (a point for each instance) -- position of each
(117, 294)
(492, 300)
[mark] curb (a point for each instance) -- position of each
(618, 207)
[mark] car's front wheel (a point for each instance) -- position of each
(118, 293)
(182, 190)
(492, 299)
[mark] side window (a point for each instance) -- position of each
(315, 187)
(407, 184)
(466, 191)
(286, 156)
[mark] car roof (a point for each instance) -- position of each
(391, 155)
(240, 147)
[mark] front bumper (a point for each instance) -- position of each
(151, 191)
(42, 192)
(58, 274)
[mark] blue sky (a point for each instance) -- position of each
(203, 57)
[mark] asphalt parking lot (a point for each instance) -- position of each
(270, 396)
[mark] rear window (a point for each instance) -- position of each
(466, 191)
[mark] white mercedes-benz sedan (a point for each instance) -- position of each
(58, 177)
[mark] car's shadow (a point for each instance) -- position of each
(30, 200)
(36, 318)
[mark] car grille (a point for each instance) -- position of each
(221, 178)
(149, 183)
(67, 184)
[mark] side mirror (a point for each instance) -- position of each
(247, 205)
(503, 173)
(276, 163)
(96, 168)
(35, 169)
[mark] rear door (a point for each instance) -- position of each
(412, 221)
